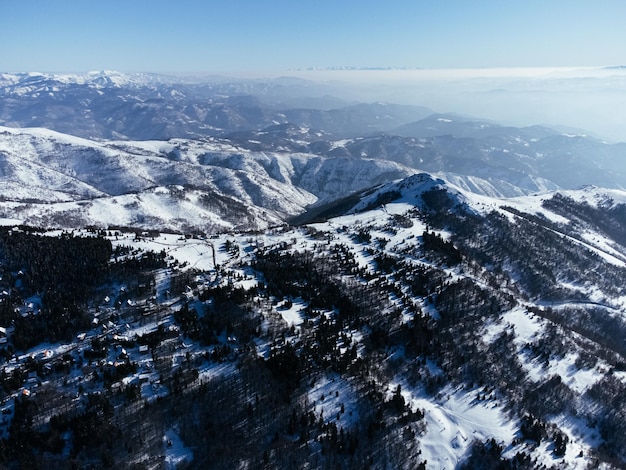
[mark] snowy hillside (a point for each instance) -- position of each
(426, 327)
(52, 179)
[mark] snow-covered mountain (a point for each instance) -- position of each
(531, 159)
(207, 184)
(112, 105)
(421, 326)
(294, 116)
(52, 179)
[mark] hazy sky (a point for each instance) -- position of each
(488, 39)
(208, 36)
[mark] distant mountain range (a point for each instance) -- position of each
(146, 106)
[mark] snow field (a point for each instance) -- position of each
(454, 422)
(329, 395)
(294, 314)
(175, 451)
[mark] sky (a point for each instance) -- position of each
(506, 60)
(208, 36)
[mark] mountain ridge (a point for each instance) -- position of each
(49, 167)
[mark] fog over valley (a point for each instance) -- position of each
(588, 99)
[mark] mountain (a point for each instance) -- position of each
(271, 175)
(460, 126)
(516, 160)
(535, 150)
(421, 325)
(111, 105)
(52, 179)
(266, 116)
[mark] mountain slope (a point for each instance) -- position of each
(426, 326)
(41, 169)
(561, 258)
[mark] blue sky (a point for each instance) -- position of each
(195, 36)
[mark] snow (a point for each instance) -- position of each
(10, 222)
(192, 252)
(175, 451)
(525, 324)
(293, 315)
(582, 438)
(615, 259)
(605, 247)
(527, 327)
(576, 379)
(211, 371)
(455, 421)
(328, 395)
(494, 187)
